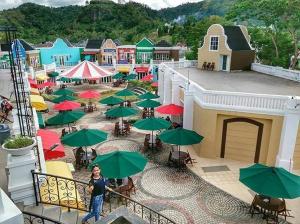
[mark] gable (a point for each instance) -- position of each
(145, 42)
(60, 43)
(109, 44)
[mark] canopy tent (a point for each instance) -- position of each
(86, 70)
(38, 102)
(42, 77)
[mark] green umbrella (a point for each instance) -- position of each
(84, 137)
(148, 95)
(63, 98)
(65, 117)
(118, 76)
(63, 91)
(125, 92)
(121, 112)
(120, 164)
(111, 100)
(180, 136)
(274, 182)
(148, 104)
(152, 124)
(53, 74)
(63, 79)
(130, 76)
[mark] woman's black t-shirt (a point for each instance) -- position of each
(99, 186)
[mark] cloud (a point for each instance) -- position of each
(155, 4)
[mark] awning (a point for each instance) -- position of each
(34, 91)
(52, 146)
(42, 77)
(142, 69)
(38, 102)
(53, 74)
(41, 120)
(123, 69)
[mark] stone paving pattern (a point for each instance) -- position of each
(180, 195)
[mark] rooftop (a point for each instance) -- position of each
(245, 81)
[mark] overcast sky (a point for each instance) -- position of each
(155, 4)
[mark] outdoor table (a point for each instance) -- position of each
(179, 158)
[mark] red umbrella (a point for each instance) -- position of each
(32, 83)
(147, 78)
(45, 84)
(66, 105)
(52, 146)
(154, 84)
(171, 109)
(89, 94)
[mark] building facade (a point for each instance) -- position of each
(164, 51)
(261, 126)
(62, 53)
(108, 52)
(92, 50)
(126, 54)
(226, 48)
(144, 51)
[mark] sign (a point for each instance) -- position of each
(18, 51)
(109, 50)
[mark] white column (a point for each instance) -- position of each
(188, 111)
(288, 136)
(20, 183)
(9, 214)
(161, 73)
(175, 91)
(167, 99)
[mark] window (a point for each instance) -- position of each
(214, 43)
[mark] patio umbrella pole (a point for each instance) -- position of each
(152, 140)
(69, 127)
(86, 158)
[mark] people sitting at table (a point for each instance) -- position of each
(158, 143)
(79, 158)
(117, 129)
(94, 154)
(63, 132)
(128, 103)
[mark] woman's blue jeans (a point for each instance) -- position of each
(95, 209)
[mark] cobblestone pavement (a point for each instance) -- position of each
(180, 195)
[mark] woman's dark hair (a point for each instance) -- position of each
(92, 175)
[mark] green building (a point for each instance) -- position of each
(144, 51)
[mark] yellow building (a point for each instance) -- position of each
(247, 116)
(226, 48)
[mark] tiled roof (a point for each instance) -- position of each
(94, 44)
(163, 43)
(236, 39)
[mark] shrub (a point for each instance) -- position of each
(18, 142)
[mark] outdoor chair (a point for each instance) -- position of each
(208, 65)
(189, 160)
(212, 66)
(79, 155)
(94, 154)
(158, 143)
(4, 115)
(63, 132)
(204, 65)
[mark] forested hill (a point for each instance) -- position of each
(128, 22)
(199, 9)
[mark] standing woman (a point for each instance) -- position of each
(97, 189)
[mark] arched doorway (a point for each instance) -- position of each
(241, 139)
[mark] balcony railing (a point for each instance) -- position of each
(73, 194)
(30, 218)
(249, 102)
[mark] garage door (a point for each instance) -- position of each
(241, 139)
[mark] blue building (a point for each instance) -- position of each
(61, 52)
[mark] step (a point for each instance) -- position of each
(69, 217)
(38, 210)
(52, 211)
(122, 212)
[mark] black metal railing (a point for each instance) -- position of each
(143, 211)
(73, 194)
(31, 218)
(61, 191)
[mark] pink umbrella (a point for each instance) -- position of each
(147, 78)
(89, 94)
(154, 84)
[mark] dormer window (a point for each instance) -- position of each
(214, 43)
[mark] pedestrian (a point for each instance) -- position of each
(97, 189)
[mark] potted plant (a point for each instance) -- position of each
(19, 145)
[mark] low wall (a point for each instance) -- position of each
(293, 75)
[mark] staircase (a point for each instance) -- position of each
(62, 200)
